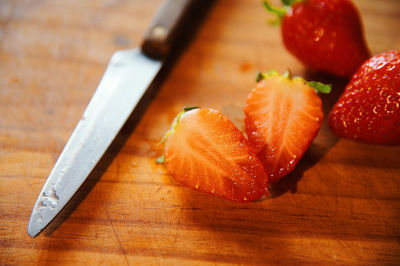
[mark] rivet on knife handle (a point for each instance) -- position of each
(166, 27)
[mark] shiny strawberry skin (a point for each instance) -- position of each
(208, 153)
(369, 109)
(282, 117)
(326, 35)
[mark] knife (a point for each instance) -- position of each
(127, 77)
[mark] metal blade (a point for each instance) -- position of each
(126, 79)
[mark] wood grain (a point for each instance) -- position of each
(340, 206)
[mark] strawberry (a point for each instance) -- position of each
(205, 151)
(282, 117)
(369, 108)
(325, 35)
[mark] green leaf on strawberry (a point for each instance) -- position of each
(318, 86)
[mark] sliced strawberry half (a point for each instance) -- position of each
(282, 117)
(205, 151)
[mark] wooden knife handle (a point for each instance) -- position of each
(167, 27)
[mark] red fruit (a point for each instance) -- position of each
(205, 151)
(282, 117)
(325, 35)
(369, 109)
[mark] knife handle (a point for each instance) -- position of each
(167, 27)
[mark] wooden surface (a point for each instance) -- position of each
(341, 204)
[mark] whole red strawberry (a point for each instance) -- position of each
(369, 109)
(325, 35)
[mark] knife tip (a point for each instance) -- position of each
(33, 227)
(32, 234)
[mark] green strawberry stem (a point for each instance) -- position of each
(186, 109)
(160, 159)
(290, 2)
(189, 108)
(261, 76)
(318, 86)
(279, 11)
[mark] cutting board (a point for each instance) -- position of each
(340, 205)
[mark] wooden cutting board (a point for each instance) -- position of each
(341, 204)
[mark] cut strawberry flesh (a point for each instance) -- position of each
(208, 153)
(282, 117)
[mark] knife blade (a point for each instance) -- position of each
(125, 81)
